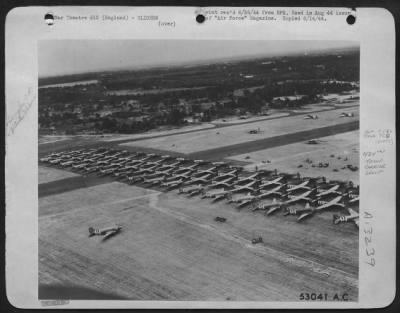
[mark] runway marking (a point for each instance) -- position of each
(282, 256)
(98, 205)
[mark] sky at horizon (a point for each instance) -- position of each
(62, 57)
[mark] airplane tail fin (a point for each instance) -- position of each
(91, 231)
(286, 212)
(336, 219)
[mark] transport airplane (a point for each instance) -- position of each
(287, 199)
(217, 194)
(311, 117)
(309, 210)
(353, 217)
(345, 114)
(106, 232)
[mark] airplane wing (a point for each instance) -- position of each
(273, 209)
(217, 197)
(242, 189)
(354, 199)
(109, 234)
(222, 185)
(304, 215)
(352, 212)
(324, 206)
(244, 203)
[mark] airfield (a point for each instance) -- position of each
(239, 134)
(170, 246)
(339, 150)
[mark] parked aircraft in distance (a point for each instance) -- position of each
(217, 194)
(242, 200)
(311, 117)
(211, 170)
(191, 189)
(189, 167)
(106, 232)
(309, 210)
(233, 173)
(332, 190)
(202, 179)
(219, 164)
(245, 179)
(155, 180)
(222, 183)
(306, 196)
(276, 181)
(272, 207)
(302, 185)
(346, 114)
(67, 163)
(173, 183)
(247, 187)
(276, 205)
(275, 191)
(354, 199)
(353, 217)
(173, 165)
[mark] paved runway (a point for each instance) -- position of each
(71, 183)
(261, 144)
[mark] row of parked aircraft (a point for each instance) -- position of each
(267, 191)
(315, 116)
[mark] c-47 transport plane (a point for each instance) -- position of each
(247, 187)
(335, 189)
(222, 183)
(191, 190)
(277, 181)
(105, 232)
(171, 184)
(217, 194)
(307, 184)
(309, 210)
(249, 198)
(311, 117)
(290, 199)
(205, 179)
(346, 114)
(353, 217)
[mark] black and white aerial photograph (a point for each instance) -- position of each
(198, 170)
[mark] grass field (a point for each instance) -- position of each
(171, 248)
(338, 150)
(47, 174)
(215, 138)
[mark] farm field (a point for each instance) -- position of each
(170, 248)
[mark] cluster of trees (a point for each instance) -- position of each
(79, 106)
